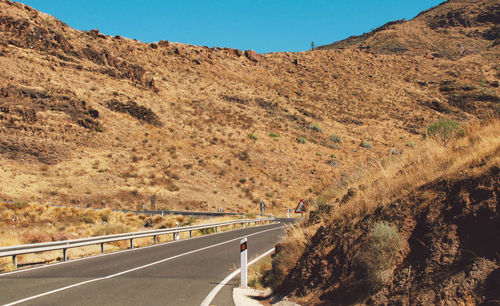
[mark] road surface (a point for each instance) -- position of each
(175, 273)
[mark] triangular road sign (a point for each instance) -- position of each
(301, 208)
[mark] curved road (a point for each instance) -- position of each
(175, 273)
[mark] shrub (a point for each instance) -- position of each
(316, 127)
(36, 237)
(253, 136)
(365, 144)
(444, 130)
(88, 219)
(274, 135)
(410, 144)
(301, 140)
(335, 138)
(380, 253)
(104, 215)
(108, 229)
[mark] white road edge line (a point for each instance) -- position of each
(213, 293)
(131, 270)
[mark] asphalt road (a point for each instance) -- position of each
(176, 273)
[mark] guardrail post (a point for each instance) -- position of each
(155, 239)
(216, 229)
(131, 243)
(190, 234)
(65, 254)
(14, 261)
(102, 247)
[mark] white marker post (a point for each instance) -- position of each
(243, 252)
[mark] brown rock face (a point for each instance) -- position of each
(450, 246)
(252, 55)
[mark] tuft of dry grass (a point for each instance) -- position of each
(260, 272)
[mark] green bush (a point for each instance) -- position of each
(365, 144)
(301, 140)
(445, 130)
(316, 127)
(410, 144)
(253, 136)
(335, 138)
(274, 135)
(380, 254)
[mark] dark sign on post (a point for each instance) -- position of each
(153, 201)
(262, 206)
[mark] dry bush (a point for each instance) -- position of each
(378, 254)
(110, 229)
(63, 236)
(36, 236)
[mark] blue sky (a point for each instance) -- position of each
(260, 25)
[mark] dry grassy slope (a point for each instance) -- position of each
(454, 29)
(180, 116)
(448, 250)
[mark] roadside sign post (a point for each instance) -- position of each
(243, 260)
(301, 208)
(153, 202)
(262, 207)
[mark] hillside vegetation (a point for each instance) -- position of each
(417, 230)
(98, 121)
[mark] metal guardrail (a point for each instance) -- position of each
(64, 245)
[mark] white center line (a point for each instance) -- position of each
(131, 270)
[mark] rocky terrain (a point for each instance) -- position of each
(443, 247)
(92, 120)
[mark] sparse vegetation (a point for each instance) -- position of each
(316, 127)
(365, 144)
(260, 273)
(23, 223)
(301, 140)
(335, 138)
(445, 130)
(274, 135)
(253, 136)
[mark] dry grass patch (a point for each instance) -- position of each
(25, 223)
(395, 177)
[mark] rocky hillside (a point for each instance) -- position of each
(449, 248)
(454, 29)
(430, 237)
(104, 121)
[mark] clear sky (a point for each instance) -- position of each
(260, 25)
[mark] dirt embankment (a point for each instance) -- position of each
(439, 244)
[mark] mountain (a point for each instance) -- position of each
(93, 120)
(453, 29)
